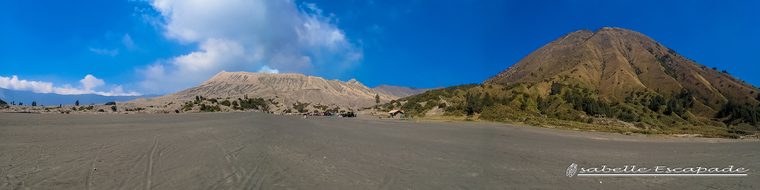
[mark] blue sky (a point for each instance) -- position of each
(159, 47)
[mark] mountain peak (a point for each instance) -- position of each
(616, 62)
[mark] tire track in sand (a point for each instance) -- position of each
(88, 186)
(136, 161)
(149, 171)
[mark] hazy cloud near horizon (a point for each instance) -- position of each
(257, 35)
(88, 83)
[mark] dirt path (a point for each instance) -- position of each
(259, 151)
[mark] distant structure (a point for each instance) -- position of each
(393, 113)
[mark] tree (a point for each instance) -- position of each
(542, 105)
(487, 100)
(758, 97)
(556, 89)
(76, 103)
(21, 103)
(110, 103)
(656, 102)
(472, 103)
(34, 103)
(197, 98)
(377, 99)
(3, 102)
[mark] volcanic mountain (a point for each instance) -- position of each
(617, 62)
(400, 91)
(285, 89)
(613, 80)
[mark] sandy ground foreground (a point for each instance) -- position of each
(260, 151)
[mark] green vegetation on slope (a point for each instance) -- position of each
(577, 107)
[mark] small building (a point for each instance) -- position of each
(393, 113)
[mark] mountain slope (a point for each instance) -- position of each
(617, 62)
(285, 89)
(400, 91)
(612, 80)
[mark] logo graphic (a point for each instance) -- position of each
(658, 170)
(571, 170)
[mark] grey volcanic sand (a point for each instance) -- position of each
(254, 150)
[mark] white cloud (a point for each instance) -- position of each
(127, 41)
(246, 35)
(105, 51)
(88, 83)
(266, 69)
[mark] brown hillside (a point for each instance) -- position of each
(285, 89)
(616, 62)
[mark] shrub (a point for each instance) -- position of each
(110, 103)
(176, 111)
(301, 107)
(101, 110)
(113, 108)
(252, 103)
(627, 117)
(188, 106)
(225, 103)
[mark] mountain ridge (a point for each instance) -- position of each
(400, 91)
(27, 97)
(286, 89)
